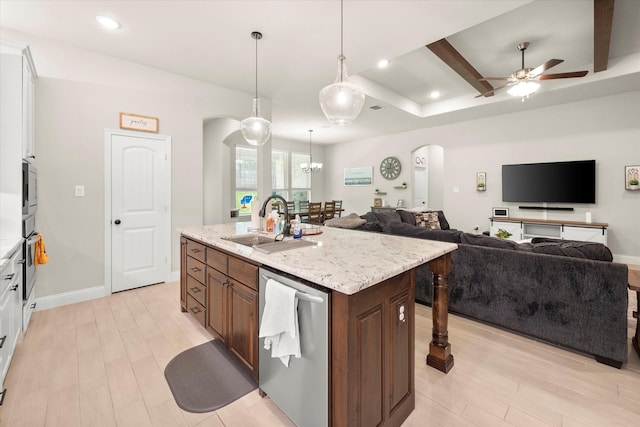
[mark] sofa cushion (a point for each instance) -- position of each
(387, 216)
(428, 220)
(408, 230)
(572, 248)
(492, 242)
(370, 226)
(444, 224)
(370, 217)
(406, 216)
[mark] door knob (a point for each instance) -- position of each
(116, 222)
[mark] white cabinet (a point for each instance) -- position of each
(523, 228)
(18, 96)
(10, 308)
(587, 234)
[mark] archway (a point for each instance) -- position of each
(427, 177)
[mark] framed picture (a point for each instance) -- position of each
(481, 181)
(377, 202)
(631, 177)
(138, 122)
(358, 176)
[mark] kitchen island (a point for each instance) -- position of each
(371, 280)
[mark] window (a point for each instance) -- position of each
(280, 173)
(246, 178)
(300, 181)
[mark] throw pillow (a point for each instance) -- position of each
(492, 242)
(428, 220)
(406, 216)
(388, 216)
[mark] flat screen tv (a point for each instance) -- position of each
(560, 182)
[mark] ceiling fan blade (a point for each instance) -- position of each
(542, 68)
(563, 75)
(484, 79)
(491, 92)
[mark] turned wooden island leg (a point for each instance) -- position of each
(440, 356)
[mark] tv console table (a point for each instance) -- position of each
(526, 228)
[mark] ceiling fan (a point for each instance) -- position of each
(523, 82)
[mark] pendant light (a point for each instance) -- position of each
(341, 101)
(310, 167)
(256, 129)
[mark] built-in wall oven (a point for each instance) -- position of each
(29, 250)
(29, 189)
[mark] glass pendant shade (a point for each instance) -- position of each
(255, 129)
(341, 101)
(523, 89)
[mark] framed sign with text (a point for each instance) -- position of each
(138, 122)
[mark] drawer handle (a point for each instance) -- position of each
(14, 288)
(4, 393)
(8, 276)
(195, 269)
(2, 340)
(195, 251)
(195, 310)
(32, 306)
(195, 290)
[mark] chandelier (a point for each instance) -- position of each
(256, 129)
(310, 167)
(341, 101)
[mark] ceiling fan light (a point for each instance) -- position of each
(255, 129)
(523, 89)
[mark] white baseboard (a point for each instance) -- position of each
(626, 259)
(58, 300)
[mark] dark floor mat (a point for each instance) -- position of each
(206, 378)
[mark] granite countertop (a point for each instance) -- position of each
(347, 261)
(7, 248)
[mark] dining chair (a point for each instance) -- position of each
(329, 210)
(303, 207)
(315, 213)
(338, 208)
(291, 207)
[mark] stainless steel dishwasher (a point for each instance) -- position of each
(302, 389)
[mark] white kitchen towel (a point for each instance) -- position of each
(279, 325)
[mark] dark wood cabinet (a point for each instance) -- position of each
(183, 273)
(232, 305)
(373, 354)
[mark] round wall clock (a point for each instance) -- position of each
(390, 168)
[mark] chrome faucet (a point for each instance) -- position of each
(286, 229)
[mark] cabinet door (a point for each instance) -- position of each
(28, 105)
(243, 325)
(586, 234)
(217, 285)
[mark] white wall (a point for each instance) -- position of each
(79, 94)
(605, 129)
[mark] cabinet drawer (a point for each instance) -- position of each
(196, 309)
(196, 250)
(217, 260)
(197, 290)
(244, 272)
(195, 269)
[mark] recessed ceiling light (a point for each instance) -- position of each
(383, 63)
(107, 22)
(435, 94)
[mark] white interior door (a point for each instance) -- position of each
(421, 186)
(139, 217)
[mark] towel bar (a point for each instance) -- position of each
(300, 295)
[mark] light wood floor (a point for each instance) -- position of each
(101, 363)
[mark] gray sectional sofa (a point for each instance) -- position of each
(563, 292)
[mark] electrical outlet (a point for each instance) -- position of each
(79, 190)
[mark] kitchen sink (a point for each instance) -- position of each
(266, 244)
(249, 239)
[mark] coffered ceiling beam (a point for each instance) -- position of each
(450, 56)
(602, 24)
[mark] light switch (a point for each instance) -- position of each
(79, 190)
(456, 189)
